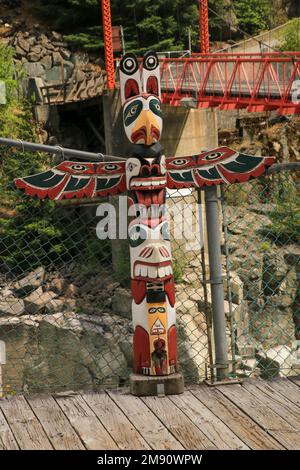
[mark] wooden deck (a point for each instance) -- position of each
(255, 415)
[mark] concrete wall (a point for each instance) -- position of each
(188, 131)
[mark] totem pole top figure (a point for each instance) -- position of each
(140, 96)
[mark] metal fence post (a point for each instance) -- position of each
(216, 281)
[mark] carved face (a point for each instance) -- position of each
(150, 250)
(140, 96)
(146, 177)
(142, 118)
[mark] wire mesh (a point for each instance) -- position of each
(65, 303)
(261, 221)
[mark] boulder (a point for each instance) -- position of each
(276, 362)
(65, 351)
(57, 58)
(71, 290)
(24, 44)
(122, 302)
(46, 61)
(55, 305)
(19, 53)
(237, 291)
(12, 306)
(56, 36)
(34, 69)
(33, 57)
(33, 279)
(38, 300)
(65, 53)
(57, 285)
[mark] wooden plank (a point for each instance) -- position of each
(262, 413)
(55, 423)
(295, 380)
(282, 391)
(286, 388)
(239, 423)
(149, 426)
(269, 397)
(91, 431)
(216, 431)
(178, 423)
(26, 429)
(7, 440)
(115, 421)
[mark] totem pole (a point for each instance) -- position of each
(145, 175)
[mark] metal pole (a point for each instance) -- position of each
(216, 281)
(57, 150)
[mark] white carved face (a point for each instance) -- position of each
(150, 250)
(142, 117)
(147, 174)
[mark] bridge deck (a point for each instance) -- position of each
(255, 415)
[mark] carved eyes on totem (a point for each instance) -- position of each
(111, 167)
(158, 310)
(132, 111)
(78, 168)
(155, 107)
(179, 162)
(213, 156)
(137, 235)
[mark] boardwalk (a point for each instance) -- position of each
(255, 415)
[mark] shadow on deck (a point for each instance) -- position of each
(255, 415)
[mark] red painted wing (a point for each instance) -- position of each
(217, 166)
(76, 180)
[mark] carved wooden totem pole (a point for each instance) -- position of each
(145, 175)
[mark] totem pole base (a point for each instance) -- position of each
(145, 385)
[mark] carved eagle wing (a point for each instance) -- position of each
(221, 165)
(76, 180)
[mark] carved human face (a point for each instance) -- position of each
(146, 178)
(150, 250)
(142, 117)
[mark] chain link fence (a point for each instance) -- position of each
(65, 303)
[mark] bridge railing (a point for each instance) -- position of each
(258, 82)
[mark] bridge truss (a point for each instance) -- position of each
(256, 82)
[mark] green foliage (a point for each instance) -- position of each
(253, 15)
(285, 217)
(179, 265)
(291, 41)
(160, 25)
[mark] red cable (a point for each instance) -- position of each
(204, 28)
(108, 44)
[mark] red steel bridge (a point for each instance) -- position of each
(255, 82)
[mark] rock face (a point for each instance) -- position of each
(42, 56)
(64, 351)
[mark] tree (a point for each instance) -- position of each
(252, 15)
(291, 41)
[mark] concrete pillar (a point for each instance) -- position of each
(188, 131)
